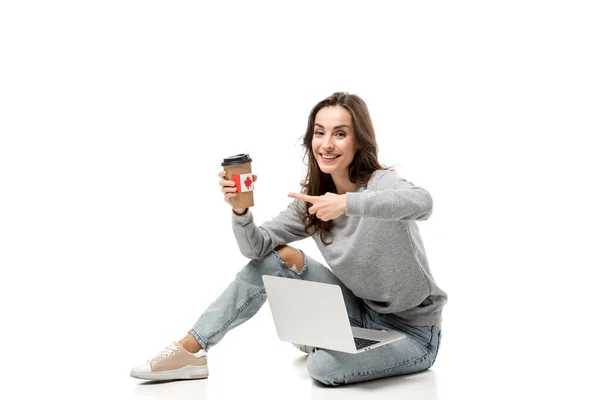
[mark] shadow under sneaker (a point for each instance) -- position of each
(174, 362)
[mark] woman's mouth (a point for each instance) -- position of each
(328, 158)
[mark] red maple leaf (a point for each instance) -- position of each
(248, 182)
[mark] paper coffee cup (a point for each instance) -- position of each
(239, 170)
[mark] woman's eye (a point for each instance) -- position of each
(318, 133)
(341, 133)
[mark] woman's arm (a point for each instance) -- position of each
(392, 198)
(257, 241)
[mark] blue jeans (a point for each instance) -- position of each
(242, 299)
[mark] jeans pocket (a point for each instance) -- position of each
(421, 332)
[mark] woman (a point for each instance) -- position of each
(362, 217)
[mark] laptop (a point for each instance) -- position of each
(314, 314)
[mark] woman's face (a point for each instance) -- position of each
(333, 141)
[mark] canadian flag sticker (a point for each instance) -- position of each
(243, 182)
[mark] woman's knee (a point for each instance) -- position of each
(291, 257)
(281, 261)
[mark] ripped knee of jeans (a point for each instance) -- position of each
(291, 258)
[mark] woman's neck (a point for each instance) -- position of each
(343, 184)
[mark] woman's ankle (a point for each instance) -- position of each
(190, 344)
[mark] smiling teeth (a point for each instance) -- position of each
(329, 157)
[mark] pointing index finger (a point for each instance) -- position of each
(301, 196)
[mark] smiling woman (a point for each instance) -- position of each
(362, 217)
(341, 149)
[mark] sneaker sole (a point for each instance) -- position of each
(187, 372)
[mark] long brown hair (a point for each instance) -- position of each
(361, 168)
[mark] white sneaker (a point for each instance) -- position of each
(174, 362)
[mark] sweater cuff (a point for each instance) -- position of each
(241, 220)
(353, 204)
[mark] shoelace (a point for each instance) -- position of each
(166, 352)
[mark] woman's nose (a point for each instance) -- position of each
(328, 143)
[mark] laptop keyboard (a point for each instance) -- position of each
(362, 343)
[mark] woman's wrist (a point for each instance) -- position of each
(240, 211)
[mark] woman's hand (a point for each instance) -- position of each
(229, 190)
(325, 207)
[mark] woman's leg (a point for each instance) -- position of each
(416, 352)
(242, 299)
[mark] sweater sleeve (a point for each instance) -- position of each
(390, 198)
(256, 242)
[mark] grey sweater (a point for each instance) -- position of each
(376, 251)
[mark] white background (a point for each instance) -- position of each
(115, 115)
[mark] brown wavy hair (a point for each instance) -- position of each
(361, 168)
